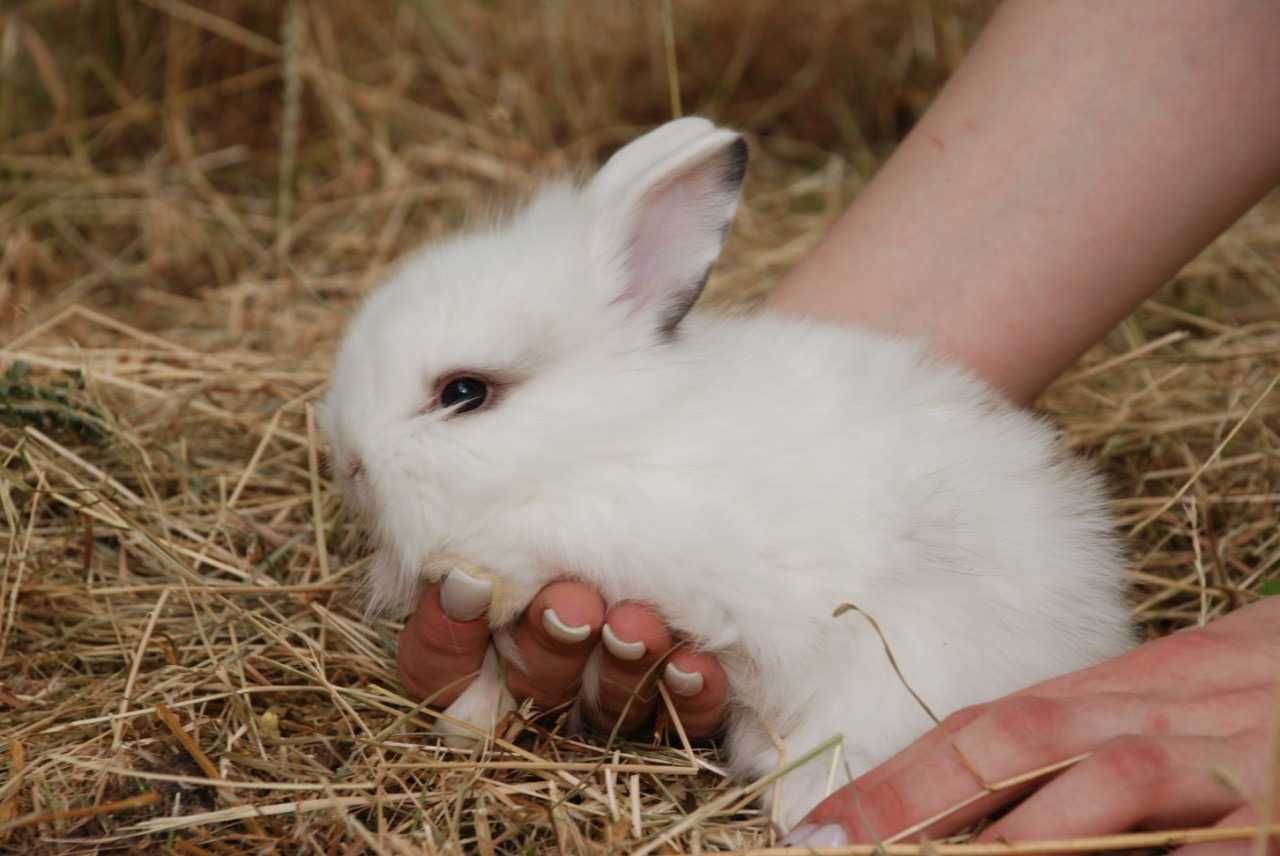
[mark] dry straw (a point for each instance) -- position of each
(192, 195)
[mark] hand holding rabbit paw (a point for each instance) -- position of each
(439, 655)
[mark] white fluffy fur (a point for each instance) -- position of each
(746, 476)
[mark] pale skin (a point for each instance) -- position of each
(1082, 154)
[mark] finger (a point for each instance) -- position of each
(1237, 651)
(699, 691)
(437, 656)
(1256, 622)
(634, 640)
(922, 781)
(1245, 816)
(943, 774)
(1135, 781)
(557, 632)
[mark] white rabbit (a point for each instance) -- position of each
(532, 400)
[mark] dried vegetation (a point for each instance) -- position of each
(191, 198)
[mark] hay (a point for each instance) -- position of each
(191, 198)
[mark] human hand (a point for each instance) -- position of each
(438, 655)
(1180, 732)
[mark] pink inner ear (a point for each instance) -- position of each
(677, 230)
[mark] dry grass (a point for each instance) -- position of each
(191, 196)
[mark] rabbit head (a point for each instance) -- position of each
(475, 374)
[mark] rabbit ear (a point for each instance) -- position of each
(666, 201)
(636, 158)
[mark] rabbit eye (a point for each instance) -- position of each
(464, 393)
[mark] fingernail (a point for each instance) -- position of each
(558, 630)
(622, 650)
(812, 835)
(463, 597)
(681, 682)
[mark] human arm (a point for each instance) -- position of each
(1077, 159)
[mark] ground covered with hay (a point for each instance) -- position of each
(191, 198)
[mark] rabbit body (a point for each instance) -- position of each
(744, 475)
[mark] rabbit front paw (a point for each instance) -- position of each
(474, 715)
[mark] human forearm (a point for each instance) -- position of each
(1081, 155)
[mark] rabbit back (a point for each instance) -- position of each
(759, 472)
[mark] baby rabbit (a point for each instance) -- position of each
(534, 400)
